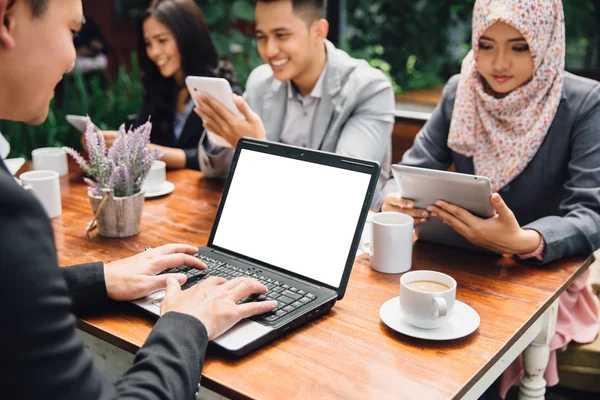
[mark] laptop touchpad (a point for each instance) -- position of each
(245, 332)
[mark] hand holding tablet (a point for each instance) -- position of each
(423, 187)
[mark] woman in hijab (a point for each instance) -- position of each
(514, 115)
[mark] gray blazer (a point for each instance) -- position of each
(354, 118)
(558, 194)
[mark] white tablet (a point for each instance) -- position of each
(79, 122)
(220, 90)
(426, 186)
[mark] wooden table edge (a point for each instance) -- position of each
(475, 378)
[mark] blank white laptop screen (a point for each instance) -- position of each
(295, 215)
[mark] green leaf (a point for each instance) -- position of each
(243, 10)
(213, 14)
(221, 43)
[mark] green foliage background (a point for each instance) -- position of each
(409, 40)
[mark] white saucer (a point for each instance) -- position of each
(463, 322)
(14, 164)
(166, 188)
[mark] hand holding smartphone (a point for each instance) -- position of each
(220, 90)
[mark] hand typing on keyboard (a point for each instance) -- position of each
(214, 301)
(135, 277)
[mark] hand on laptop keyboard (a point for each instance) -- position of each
(134, 277)
(214, 302)
(288, 297)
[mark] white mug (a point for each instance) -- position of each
(156, 177)
(45, 185)
(423, 307)
(391, 242)
(50, 158)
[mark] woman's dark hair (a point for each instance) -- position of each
(198, 57)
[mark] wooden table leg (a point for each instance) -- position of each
(536, 356)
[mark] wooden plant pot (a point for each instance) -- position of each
(119, 217)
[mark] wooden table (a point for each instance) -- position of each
(349, 353)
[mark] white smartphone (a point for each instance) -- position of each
(220, 90)
(78, 121)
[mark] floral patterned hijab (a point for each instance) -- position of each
(503, 135)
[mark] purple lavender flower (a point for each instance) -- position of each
(124, 167)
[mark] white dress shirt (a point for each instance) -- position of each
(300, 113)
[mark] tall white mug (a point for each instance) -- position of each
(391, 242)
(50, 158)
(45, 185)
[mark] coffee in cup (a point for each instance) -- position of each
(428, 286)
(427, 298)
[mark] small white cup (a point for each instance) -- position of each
(156, 177)
(425, 309)
(391, 242)
(50, 158)
(45, 185)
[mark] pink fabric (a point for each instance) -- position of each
(503, 135)
(577, 321)
(537, 253)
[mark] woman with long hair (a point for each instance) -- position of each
(174, 43)
(514, 115)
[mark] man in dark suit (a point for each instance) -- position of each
(42, 356)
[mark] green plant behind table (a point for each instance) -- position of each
(108, 108)
(407, 40)
(231, 24)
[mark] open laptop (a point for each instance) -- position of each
(292, 218)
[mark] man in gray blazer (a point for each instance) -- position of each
(307, 94)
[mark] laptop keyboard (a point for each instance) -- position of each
(288, 297)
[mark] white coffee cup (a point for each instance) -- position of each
(427, 309)
(156, 177)
(391, 242)
(45, 185)
(50, 158)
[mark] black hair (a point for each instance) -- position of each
(198, 57)
(309, 10)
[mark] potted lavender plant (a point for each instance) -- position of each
(115, 178)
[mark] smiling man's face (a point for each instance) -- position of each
(42, 52)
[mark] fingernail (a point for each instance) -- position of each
(410, 205)
(424, 214)
(430, 208)
(438, 203)
(181, 277)
(423, 221)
